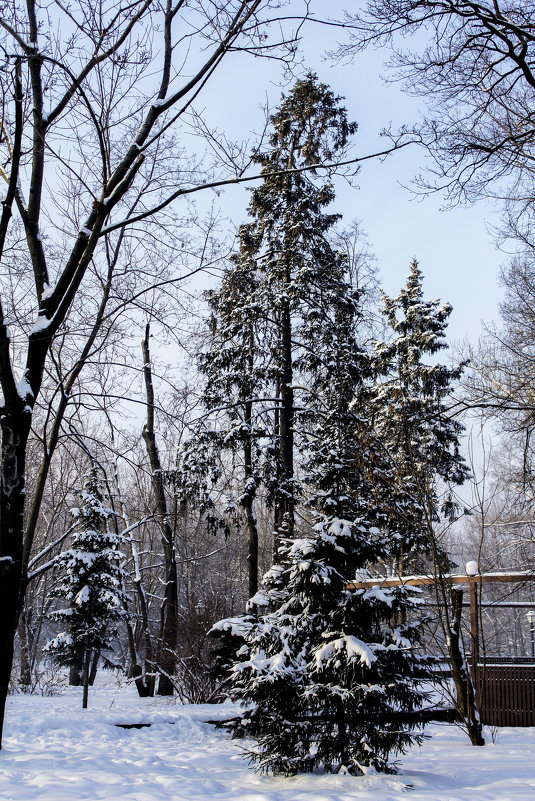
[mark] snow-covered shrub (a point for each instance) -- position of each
(91, 583)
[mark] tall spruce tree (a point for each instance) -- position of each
(91, 581)
(412, 416)
(330, 674)
(287, 240)
(235, 390)
(266, 314)
(326, 672)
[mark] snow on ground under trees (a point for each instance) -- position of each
(56, 752)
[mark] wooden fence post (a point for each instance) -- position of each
(474, 630)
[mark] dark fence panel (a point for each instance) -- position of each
(506, 693)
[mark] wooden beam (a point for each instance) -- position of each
(419, 581)
(474, 630)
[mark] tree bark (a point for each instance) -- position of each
(15, 427)
(285, 503)
(85, 676)
(166, 657)
(464, 688)
(144, 681)
(25, 648)
(250, 491)
(94, 668)
(76, 669)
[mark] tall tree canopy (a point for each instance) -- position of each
(94, 96)
(413, 418)
(326, 672)
(272, 315)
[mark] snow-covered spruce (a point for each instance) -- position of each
(411, 400)
(91, 583)
(272, 306)
(411, 397)
(326, 673)
(329, 676)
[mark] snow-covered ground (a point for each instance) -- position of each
(54, 751)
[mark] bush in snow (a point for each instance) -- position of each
(326, 675)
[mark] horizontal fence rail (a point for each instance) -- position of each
(505, 686)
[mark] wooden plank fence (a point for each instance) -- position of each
(505, 689)
(506, 693)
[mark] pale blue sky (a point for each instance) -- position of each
(455, 249)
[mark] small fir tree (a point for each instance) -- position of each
(91, 581)
(327, 677)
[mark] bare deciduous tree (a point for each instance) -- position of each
(474, 62)
(501, 378)
(94, 96)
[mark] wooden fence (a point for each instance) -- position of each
(505, 688)
(506, 693)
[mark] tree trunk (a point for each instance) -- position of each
(250, 492)
(15, 427)
(168, 631)
(145, 682)
(285, 492)
(464, 688)
(85, 676)
(94, 668)
(166, 657)
(277, 512)
(341, 726)
(25, 648)
(252, 557)
(76, 668)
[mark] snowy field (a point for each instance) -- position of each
(55, 752)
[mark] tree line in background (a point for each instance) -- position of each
(314, 436)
